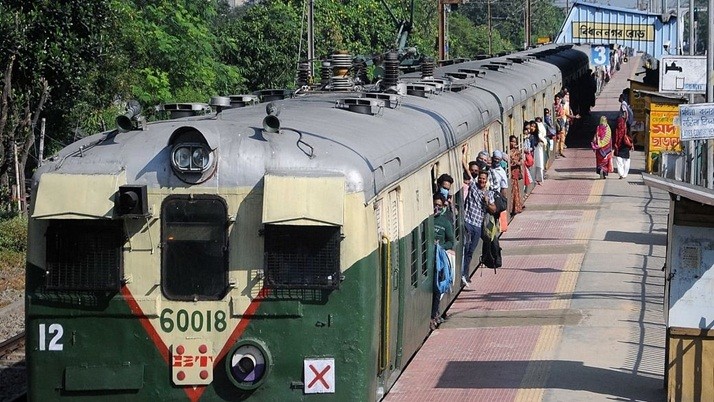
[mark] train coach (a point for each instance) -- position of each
(251, 254)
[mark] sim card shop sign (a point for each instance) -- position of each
(319, 376)
(696, 122)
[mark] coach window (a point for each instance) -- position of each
(194, 242)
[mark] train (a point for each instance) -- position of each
(273, 246)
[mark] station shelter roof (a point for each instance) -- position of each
(651, 33)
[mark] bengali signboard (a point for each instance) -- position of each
(608, 32)
(683, 74)
(663, 134)
(697, 121)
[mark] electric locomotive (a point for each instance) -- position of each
(250, 254)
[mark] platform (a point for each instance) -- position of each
(575, 313)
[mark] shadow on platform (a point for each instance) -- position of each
(570, 375)
(648, 239)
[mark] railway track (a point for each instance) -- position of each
(13, 375)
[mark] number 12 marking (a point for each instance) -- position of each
(55, 343)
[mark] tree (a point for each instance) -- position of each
(467, 40)
(46, 49)
(507, 17)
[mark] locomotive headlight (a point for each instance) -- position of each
(191, 158)
(248, 364)
(182, 158)
(199, 158)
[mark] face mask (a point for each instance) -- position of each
(438, 210)
(444, 192)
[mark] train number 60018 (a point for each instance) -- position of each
(196, 321)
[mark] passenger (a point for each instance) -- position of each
(551, 132)
(602, 145)
(498, 175)
(627, 111)
(568, 114)
(443, 236)
(473, 167)
(443, 228)
(478, 202)
(443, 185)
(527, 157)
(622, 146)
(470, 167)
(539, 151)
(465, 183)
(516, 161)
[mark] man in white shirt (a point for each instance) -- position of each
(498, 175)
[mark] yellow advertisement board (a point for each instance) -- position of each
(663, 134)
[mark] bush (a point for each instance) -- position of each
(13, 234)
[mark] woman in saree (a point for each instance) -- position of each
(622, 146)
(602, 145)
(515, 159)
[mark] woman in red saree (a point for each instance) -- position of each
(515, 158)
(602, 145)
(622, 146)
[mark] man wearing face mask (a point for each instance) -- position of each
(443, 187)
(443, 228)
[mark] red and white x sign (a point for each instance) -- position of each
(319, 376)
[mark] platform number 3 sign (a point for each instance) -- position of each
(600, 55)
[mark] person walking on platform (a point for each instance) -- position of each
(515, 158)
(622, 146)
(602, 145)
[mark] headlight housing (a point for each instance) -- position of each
(248, 364)
(191, 158)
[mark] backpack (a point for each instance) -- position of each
(442, 275)
(630, 114)
(501, 203)
(491, 253)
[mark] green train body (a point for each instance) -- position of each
(205, 258)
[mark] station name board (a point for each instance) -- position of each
(607, 31)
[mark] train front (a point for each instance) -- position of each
(196, 259)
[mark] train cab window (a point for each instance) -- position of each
(194, 241)
(302, 257)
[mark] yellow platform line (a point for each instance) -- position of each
(536, 375)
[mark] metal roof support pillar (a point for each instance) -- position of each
(691, 145)
(710, 95)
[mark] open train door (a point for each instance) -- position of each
(388, 216)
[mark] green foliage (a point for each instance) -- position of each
(264, 43)
(176, 55)
(13, 234)
(467, 40)
(507, 18)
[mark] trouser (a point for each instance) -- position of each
(561, 142)
(623, 166)
(436, 298)
(473, 234)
